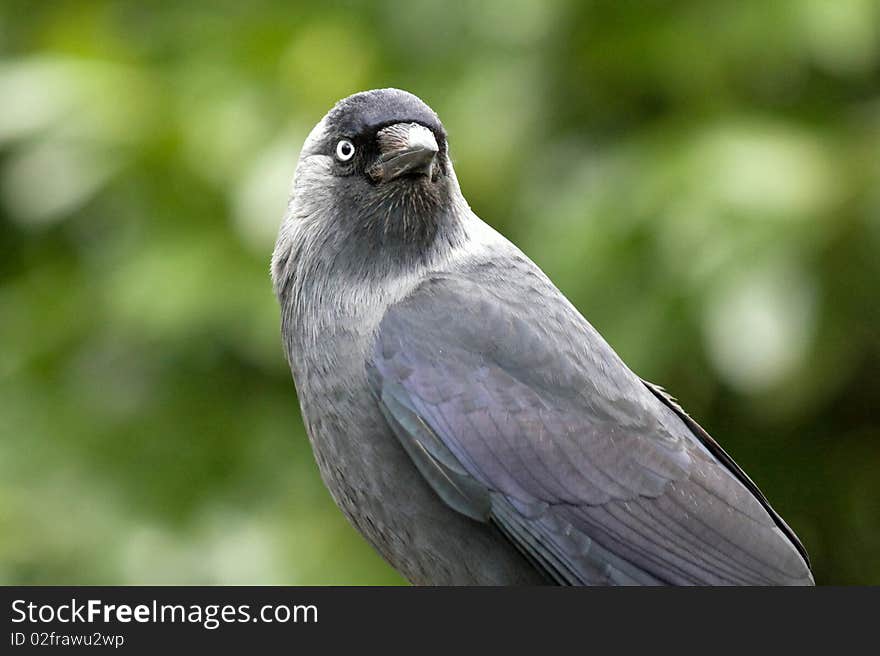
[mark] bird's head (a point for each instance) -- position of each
(376, 169)
(387, 139)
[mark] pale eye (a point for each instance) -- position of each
(344, 150)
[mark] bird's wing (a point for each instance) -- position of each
(517, 412)
(722, 456)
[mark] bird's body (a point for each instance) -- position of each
(465, 416)
(371, 478)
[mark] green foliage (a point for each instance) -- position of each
(700, 178)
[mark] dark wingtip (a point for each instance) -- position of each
(715, 449)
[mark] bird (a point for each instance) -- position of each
(466, 418)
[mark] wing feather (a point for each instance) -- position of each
(530, 421)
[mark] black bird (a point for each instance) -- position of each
(464, 415)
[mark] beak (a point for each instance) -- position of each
(406, 149)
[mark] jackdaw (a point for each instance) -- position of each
(466, 418)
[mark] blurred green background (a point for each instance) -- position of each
(702, 179)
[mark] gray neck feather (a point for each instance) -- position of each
(336, 269)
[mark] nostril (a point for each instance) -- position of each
(402, 137)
